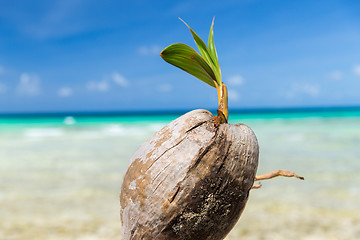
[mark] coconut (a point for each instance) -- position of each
(190, 180)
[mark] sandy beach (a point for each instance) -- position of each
(61, 181)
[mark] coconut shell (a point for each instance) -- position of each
(190, 180)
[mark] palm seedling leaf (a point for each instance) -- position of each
(186, 58)
(212, 52)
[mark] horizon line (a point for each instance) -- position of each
(144, 112)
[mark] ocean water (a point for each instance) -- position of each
(60, 176)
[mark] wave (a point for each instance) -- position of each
(43, 132)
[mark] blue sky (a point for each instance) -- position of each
(77, 55)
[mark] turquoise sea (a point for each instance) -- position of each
(60, 175)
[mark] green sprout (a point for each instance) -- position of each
(204, 66)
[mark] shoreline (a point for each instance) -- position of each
(134, 113)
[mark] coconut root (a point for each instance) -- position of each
(277, 173)
(256, 186)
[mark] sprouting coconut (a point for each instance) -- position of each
(191, 180)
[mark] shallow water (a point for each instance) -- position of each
(60, 178)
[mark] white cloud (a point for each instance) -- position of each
(119, 79)
(165, 88)
(65, 92)
(3, 88)
(101, 86)
(236, 80)
(356, 70)
(336, 75)
(233, 95)
(311, 90)
(105, 84)
(304, 88)
(153, 50)
(29, 85)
